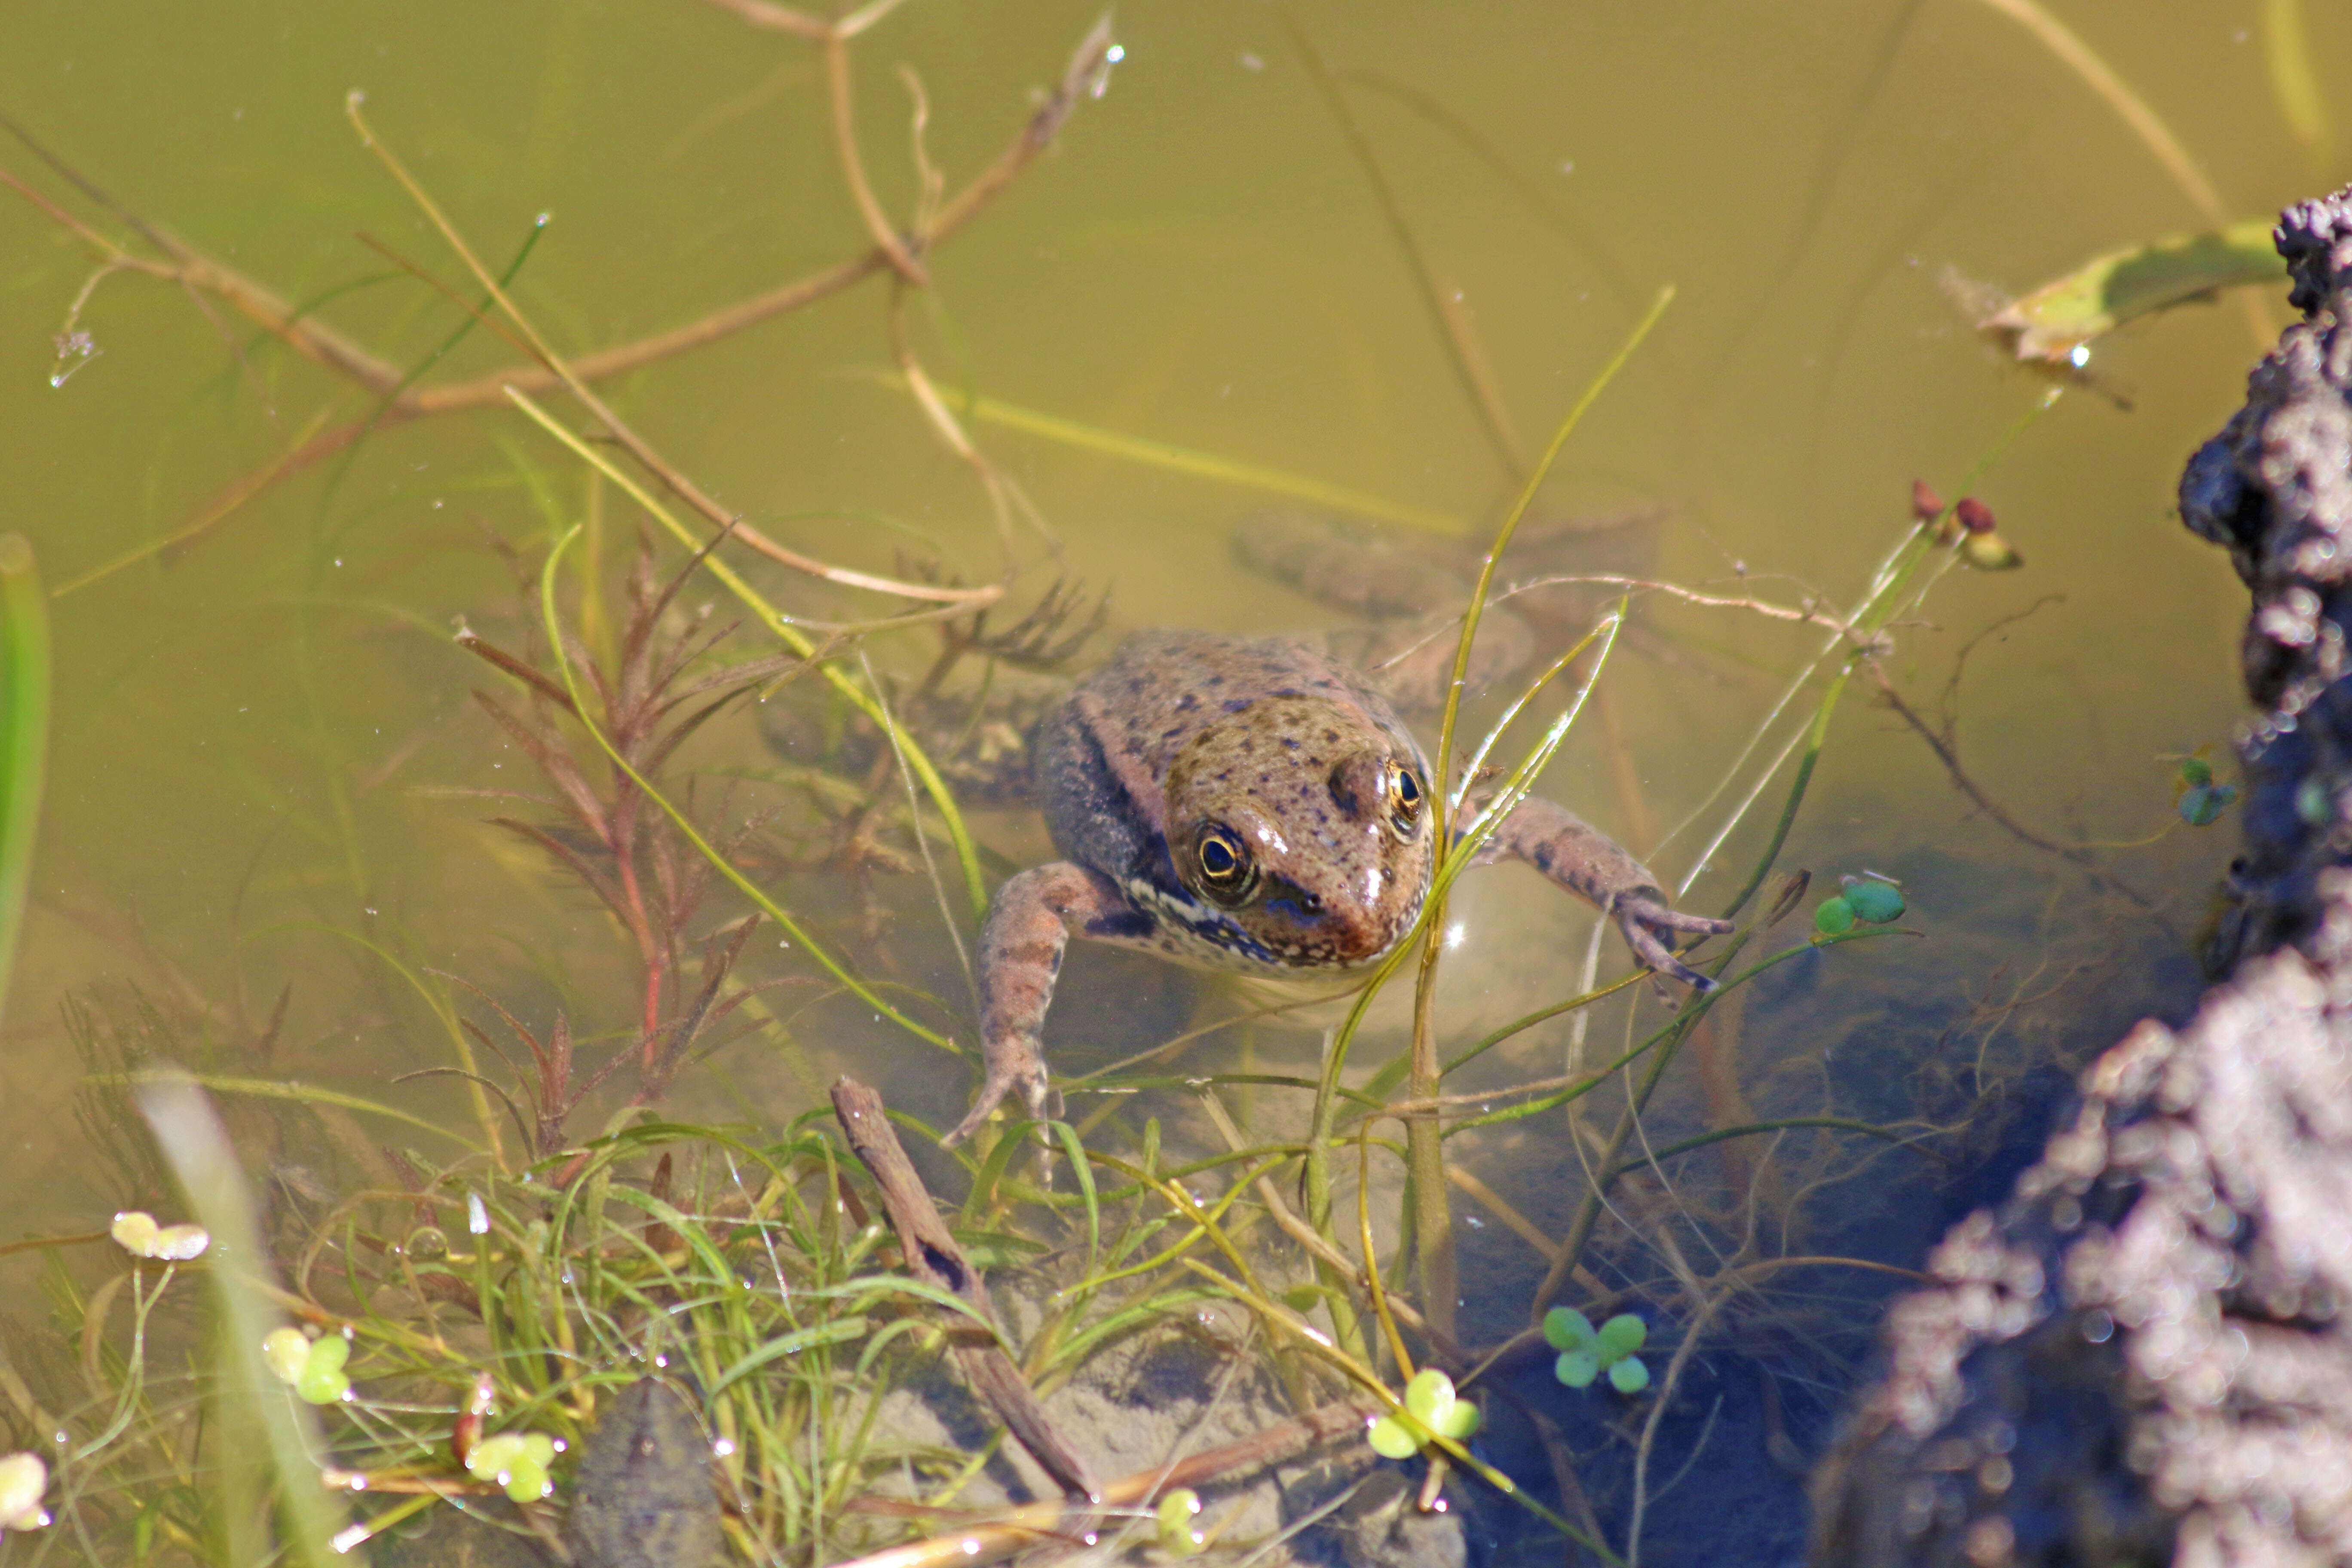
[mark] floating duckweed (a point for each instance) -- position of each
(313, 1368)
(2312, 802)
(23, 1478)
(1833, 916)
(1177, 1511)
(2196, 773)
(1430, 1406)
(515, 1461)
(1585, 1352)
(1873, 901)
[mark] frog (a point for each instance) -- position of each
(1255, 805)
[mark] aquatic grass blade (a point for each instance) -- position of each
(23, 736)
(198, 1147)
(2053, 324)
(1425, 1163)
(2295, 86)
(1201, 465)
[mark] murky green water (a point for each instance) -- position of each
(264, 735)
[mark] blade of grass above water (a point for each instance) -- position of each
(2286, 47)
(1326, 1097)
(198, 1147)
(23, 736)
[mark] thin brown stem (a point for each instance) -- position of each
(885, 238)
(778, 18)
(636, 444)
(1484, 397)
(2082, 859)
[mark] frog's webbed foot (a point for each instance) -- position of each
(1650, 926)
(1347, 566)
(1030, 921)
(1586, 861)
(1044, 639)
(1025, 1079)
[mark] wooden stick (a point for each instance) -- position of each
(934, 1257)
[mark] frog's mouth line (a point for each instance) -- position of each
(1199, 933)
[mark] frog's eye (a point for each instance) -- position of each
(1404, 800)
(1227, 873)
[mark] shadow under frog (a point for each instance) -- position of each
(1255, 805)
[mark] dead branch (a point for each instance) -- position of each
(933, 1256)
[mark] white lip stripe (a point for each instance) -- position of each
(1194, 934)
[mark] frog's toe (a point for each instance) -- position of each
(1035, 1094)
(1636, 921)
(1652, 914)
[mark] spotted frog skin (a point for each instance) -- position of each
(1248, 805)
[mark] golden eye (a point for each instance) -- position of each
(1224, 861)
(1404, 800)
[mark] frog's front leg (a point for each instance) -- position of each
(1029, 923)
(1589, 864)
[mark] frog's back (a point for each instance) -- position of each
(1103, 756)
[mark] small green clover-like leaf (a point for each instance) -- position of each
(2196, 773)
(1629, 1375)
(285, 1352)
(1390, 1440)
(136, 1232)
(1833, 916)
(516, 1461)
(1577, 1369)
(2202, 807)
(1566, 1328)
(1874, 903)
(1429, 1397)
(323, 1380)
(323, 1386)
(1619, 1337)
(1176, 1513)
(2313, 804)
(1431, 1406)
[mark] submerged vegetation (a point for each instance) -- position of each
(327, 1323)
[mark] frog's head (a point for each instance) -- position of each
(1306, 826)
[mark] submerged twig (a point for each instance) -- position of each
(2081, 858)
(933, 1256)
